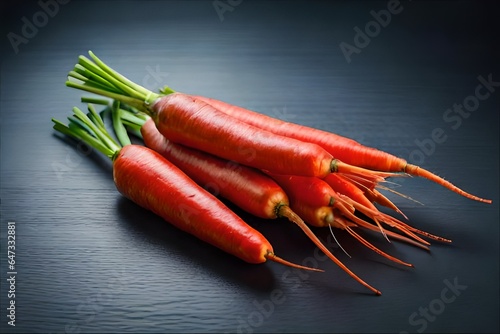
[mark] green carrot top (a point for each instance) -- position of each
(90, 129)
(99, 78)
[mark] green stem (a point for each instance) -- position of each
(165, 90)
(133, 118)
(132, 128)
(98, 78)
(94, 70)
(95, 100)
(101, 133)
(136, 103)
(81, 134)
(120, 130)
(90, 130)
(118, 76)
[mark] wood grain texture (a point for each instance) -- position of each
(89, 260)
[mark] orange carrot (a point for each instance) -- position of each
(188, 121)
(347, 150)
(248, 188)
(149, 180)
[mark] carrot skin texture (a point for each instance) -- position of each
(225, 178)
(189, 121)
(205, 168)
(149, 180)
(310, 191)
(342, 148)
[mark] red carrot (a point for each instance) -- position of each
(326, 216)
(191, 122)
(316, 192)
(342, 148)
(149, 180)
(246, 187)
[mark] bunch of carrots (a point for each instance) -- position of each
(267, 167)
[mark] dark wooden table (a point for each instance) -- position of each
(88, 260)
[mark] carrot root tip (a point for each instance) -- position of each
(273, 257)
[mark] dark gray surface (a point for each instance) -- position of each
(89, 260)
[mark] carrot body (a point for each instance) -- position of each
(246, 187)
(311, 191)
(344, 149)
(152, 182)
(191, 122)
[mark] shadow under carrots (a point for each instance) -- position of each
(155, 230)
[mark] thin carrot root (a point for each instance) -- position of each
(399, 194)
(288, 213)
(413, 229)
(393, 222)
(336, 241)
(273, 257)
(419, 171)
(375, 249)
(384, 201)
(368, 187)
(398, 237)
(340, 204)
(347, 225)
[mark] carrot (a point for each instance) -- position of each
(191, 122)
(314, 199)
(316, 192)
(151, 181)
(325, 216)
(246, 187)
(344, 149)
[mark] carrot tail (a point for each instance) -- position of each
(339, 203)
(384, 201)
(393, 222)
(418, 171)
(402, 238)
(413, 229)
(373, 195)
(396, 236)
(285, 211)
(375, 249)
(399, 194)
(273, 257)
(367, 225)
